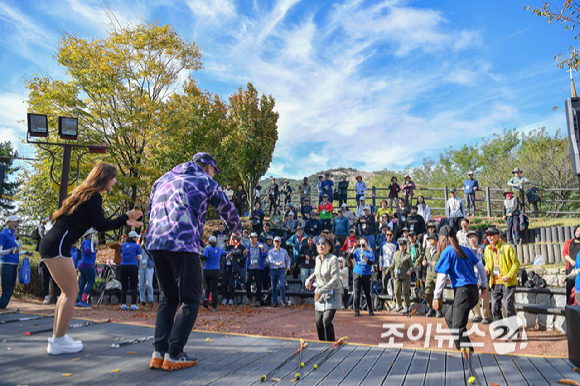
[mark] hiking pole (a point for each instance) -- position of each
(76, 325)
(134, 341)
(26, 319)
(264, 377)
(416, 308)
(467, 358)
(300, 364)
(11, 312)
(330, 353)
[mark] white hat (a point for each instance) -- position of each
(13, 218)
(344, 205)
(88, 232)
(212, 239)
(469, 172)
(362, 198)
(366, 207)
(134, 234)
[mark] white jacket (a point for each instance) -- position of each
(425, 213)
(454, 208)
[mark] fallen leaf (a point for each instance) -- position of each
(67, 375)
(208, 340)
(116, 339)
(131, 352)
(576, 369)
(75, 359)
(568, 382)
(9, 348)
(494, 384)
(4, 341)
(115, 371)
(449, 354)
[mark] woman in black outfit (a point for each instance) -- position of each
(81, 211)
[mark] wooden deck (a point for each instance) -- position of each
(242, 360)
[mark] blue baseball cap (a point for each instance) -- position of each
(206, 158)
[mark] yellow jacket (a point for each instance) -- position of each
(509, 264)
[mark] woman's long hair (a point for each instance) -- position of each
(95, 182)
(451, 240)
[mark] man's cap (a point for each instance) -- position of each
(325, 195)
(253, 234)
(285, 181)
(206, 158)
(470, 173)
(366, 207)
(343, 177)
(277, 238)
(433, 236)
(306, 199)
(407, 176)
(431, 224)
(340, 210)
(414, 207)
(269, 237)
(517, 170)
(212, 239)
(405, 229)
(446, 231)
(327, 174)
(320, 176)
(344, 205)
(402, 242)
(305, 178)
(363, 198)
(357, 177)
(134, 234)
(452, 190)
(506, 192)
(13, 218)
(88, 232)
(229, 184)
(352, 230)
(290, 214)
(472, 233)
(384, 226)
(237, 237)
(412, 233)
(299, 228)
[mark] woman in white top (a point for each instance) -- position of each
(423, 209)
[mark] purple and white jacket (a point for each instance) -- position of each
(178, 208)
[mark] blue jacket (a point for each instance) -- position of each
(87, 255)
(8, 241)
(361, 267)
(74, 253)
(340, 226)
(129, 253)
(178, 209)
(261, 256)
(212, 257)
(296, 244)
(469, 185)
(309, 227)
(360, 188)
(327, 184)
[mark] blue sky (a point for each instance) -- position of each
(364, 84)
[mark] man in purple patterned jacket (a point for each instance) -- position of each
(177, 214)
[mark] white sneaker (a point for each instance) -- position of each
(64, 345)
(225, 302)
(134, 307)
(231, 302)
(46, 300)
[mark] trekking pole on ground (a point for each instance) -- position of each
(466, 356)
(134, 341)
(76, 325)
(416, 308)
(330, 353)
(302, 347)
(300, 364)
(11, 312)
(26, 319)
(325, 350)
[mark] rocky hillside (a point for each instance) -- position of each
(335, 175)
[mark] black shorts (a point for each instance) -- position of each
(56, 243)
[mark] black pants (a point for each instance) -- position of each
(455, 223)
(228, 285)
(129, 273)
(46, 281)
(254, 274)
(457, 316)
(570, 283)
(341, 199)
(179, 275)
(324, 325)
(240, 208)
(266, 279)
(211, 277)
(365, 282)
(273, 203)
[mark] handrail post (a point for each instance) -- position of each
(374, 190)
(446, 195)
(488, 200)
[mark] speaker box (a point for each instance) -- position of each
(573, 333)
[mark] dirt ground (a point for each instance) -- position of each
(298, 322)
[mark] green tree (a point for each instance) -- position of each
(9, 184)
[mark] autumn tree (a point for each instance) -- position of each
(118, 88)
(568, 14)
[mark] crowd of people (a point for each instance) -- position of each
(330, 250)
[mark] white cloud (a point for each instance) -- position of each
(211, 10)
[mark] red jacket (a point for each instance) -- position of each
(348, 243)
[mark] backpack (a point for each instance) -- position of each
(535, 281)
(24, 277)
(522, 277)
(35, 235)
(532, 196)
